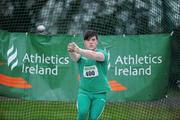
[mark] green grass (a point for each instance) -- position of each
(43, 110)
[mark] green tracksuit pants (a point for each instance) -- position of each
(90, 103)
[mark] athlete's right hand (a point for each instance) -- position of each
(70, 47)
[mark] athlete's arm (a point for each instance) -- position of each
(75, 53)
(98, 56)
(74, 56)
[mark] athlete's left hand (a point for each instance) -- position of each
(73, 47)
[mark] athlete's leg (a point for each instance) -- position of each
(83, 104)
(97, 106)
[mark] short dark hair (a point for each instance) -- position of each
(90, 33)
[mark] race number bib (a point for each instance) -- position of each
(90, 71)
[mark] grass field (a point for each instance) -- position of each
(163, 109)
(42, 110)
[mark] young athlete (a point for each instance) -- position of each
(92, 63)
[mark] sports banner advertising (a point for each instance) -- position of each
(38, 67)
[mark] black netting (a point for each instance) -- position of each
(107, 17)
(75, 16)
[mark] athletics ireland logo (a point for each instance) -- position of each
(12, 62)
(12, 57)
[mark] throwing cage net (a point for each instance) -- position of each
(107, 17)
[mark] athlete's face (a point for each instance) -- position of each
(91, 43)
